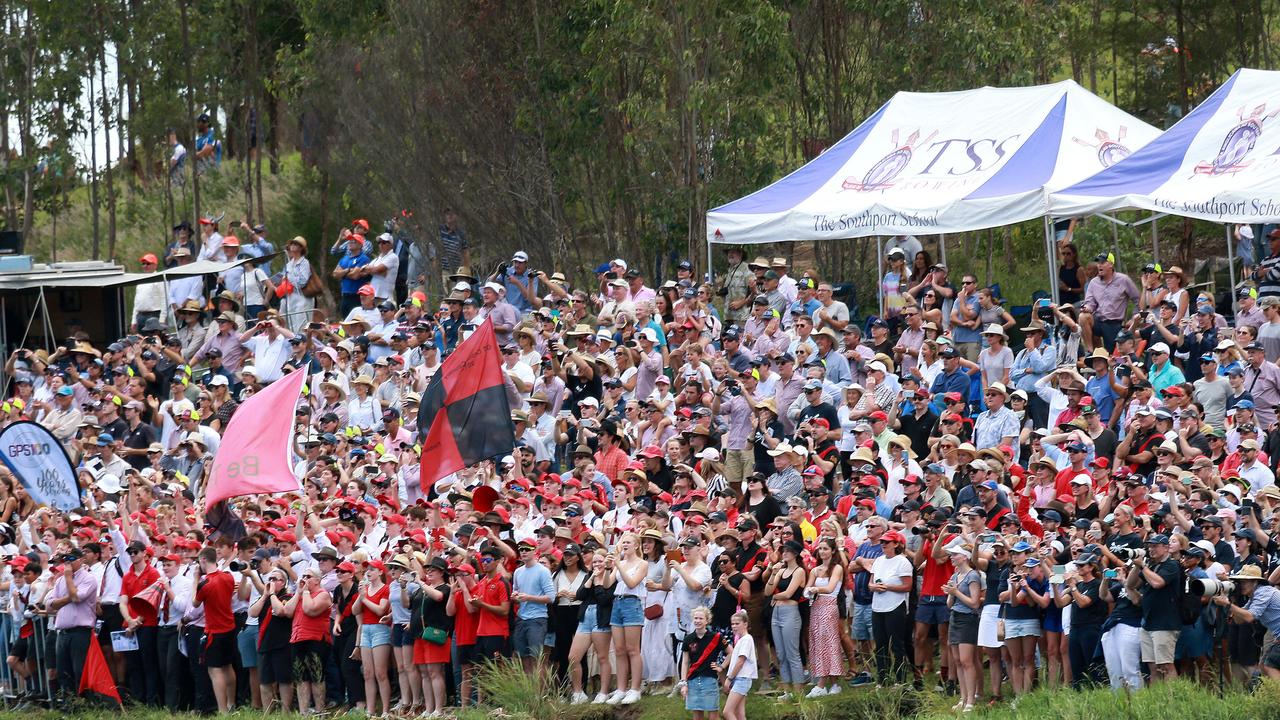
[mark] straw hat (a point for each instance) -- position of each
(299, 241)
(994, 329)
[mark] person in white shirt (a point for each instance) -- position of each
(269, 343)
(183, 289)
(211, 249)
(148, 298)
(891, 577)
(384, 268)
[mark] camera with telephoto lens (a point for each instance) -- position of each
(236, 566)
(1208, 587)
(347, 514)
(1130, 554)
(255, 563)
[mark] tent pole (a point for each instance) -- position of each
(1231, 264)
(48, 324)
(1115, 243)
(942, 248)
(1051, 254)
(4, 339)
(1155, 240)
(879, 270)
(711, 276)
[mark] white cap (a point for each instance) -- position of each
(107, 506)
(108, 483)
(462, 286)
(649, 334)
(1082, 479)
(620, 263)
(877, 365)
(494, 287)
(1159, 348)
(589, 401)
(386, 237)
(709, 453)
(520, 256)
(219, 381)
(249, 370)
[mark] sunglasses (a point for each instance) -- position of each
(486, 560)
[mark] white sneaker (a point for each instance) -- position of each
(631, 698)
(579, 698)
(599, 699)
(834, 688)
(817, 692)
(615, 697)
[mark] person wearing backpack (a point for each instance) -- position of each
(1159, 585)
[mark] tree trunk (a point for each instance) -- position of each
(93, 163)
(191, 109)
(28, 136)
(106, 136)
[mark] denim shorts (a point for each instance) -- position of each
(529, 637)
(704, 695)
(1021, 628)
(742, 686)
(247, 642)
(628, 611)
(932, 610)
(861, 629)
(588, 623)
(375, 635)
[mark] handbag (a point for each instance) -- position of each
(435, 635)
(653, 612)
(1000, 626)
(314, 286)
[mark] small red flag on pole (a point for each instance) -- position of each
(97, 676)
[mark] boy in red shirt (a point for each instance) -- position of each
(462, 585)
(490, 600)
(141, 619)
(214, 592)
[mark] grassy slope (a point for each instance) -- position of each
(1180, 700)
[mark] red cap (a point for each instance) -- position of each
(231, 241)
(360, 223)
(867, 503)
(396, 519)
(521, 501)
(285, 536)
(893, 536)
(207, 221)
(464, 569)
(365, 290)
(635, 465)
(346, 566)
(522, 482)
(869, 481)
(171, 557)
(1171, 390)
(1101, 462)
(878, 415)
(666, 498)
(952, 397)
(1008, 451)
(695, 520)
(651, 451)
(685, 412)
(823, 421)
(573, 482)
(149, 258)
(953, 417)
(911, 480)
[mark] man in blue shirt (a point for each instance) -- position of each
(533, 589)
(348, 271)
(208, 147)
(1036, 359)
(522, 285)
(953, 378)
(966, 324)
(804, 304)
(258, 246)
(1101, 387)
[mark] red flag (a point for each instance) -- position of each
(255, 450)
(464, 416)
(97, 676)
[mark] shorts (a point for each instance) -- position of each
(275, 666)
(220, 649)
(1272, 659)
(489, 647)
(588, 623)
(1052, 622)
(529, 637)
(963, 629)
(741, 686)
(427, 653)
(247, 643)
(1158, 646)
(1014, 628)
(375, 635)
(628, 611)
(112, 621)
(400, 636)
(309, 658)
(933, 610)
(19, 648)
(861, 629)
(704, 695)
(987, 635)
(466, 654)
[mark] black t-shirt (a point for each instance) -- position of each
(919, 429)
(1105, 444)
(1160, 606)
(139, 439)
(822, 410)
(702, 651)
(278, 627)
(764, 463)
(725, 603)
(765, 511)
(1096, 613)
(1123, 612)
(750, 557)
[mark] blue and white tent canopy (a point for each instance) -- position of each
(1221, 162)
(940, 163)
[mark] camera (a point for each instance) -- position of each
(236, 566)
(1208, 587)
(255, 563)
(1044, 311)
(922, 529)
(723, 292)
(1129, 554)
(611, 275)
(347, 514)
(502, 269)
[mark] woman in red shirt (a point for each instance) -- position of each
(374, 604)
(310, 639)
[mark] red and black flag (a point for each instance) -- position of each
(464, 416)
(96, 680)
